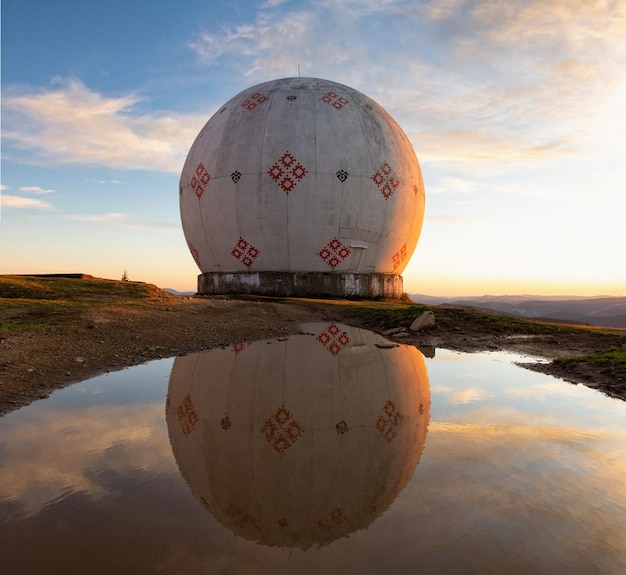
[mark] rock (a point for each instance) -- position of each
(427, 319)
(393, 330)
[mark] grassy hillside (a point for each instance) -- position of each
(80, 288)
(45, 304)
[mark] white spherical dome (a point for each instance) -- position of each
(301, 175)
(303, 441)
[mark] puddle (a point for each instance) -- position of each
(328, 452)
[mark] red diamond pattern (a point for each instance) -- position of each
(253, 101)
(282, 430)
(385, 180)
(287, 172)
(388, 421)
(399, 257)
(187, 416)
(199, 180)
(334, 100)
(194, 253)
(245, 252)
(334, 252)
(333, 339)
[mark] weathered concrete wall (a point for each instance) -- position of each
(313, 284)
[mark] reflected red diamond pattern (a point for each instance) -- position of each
(335, 518)
(282, 430)
(239, 347)
(333, 339)
(388, 421)
(187, 416)
(238, 515)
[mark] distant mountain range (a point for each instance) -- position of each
(600, 311)
(176, 292)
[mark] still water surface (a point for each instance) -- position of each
(328, 452)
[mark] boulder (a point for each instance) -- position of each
(427, 319)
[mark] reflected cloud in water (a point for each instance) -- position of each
(60, 453)
(303, 441)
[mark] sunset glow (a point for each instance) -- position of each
(516, 111)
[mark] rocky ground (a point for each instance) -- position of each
(44, 347)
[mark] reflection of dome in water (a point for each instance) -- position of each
(302, 186)
(302, 441)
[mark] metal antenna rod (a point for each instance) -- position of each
(298, 60)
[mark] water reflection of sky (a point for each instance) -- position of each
(520, 473)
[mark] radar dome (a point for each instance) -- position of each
(301, 186)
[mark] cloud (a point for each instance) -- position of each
(122, 220)
(3, 187)
(109, 217)
(471, 82)
(39, 475)
(18, 202)
(75, 125)
(469, 395)
(572, 476)
(454, 185)
(481, 82)
(448, 219)
(271, 44)
(35, 190)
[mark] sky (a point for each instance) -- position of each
(516, 110)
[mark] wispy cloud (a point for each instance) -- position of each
(109, 217)
(35, 190)
(481, 81)
(73, 124)
(122, 220)
(32, 481)
(19, 202)
(468, 395)
(448, 219)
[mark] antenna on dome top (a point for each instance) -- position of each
(298, 60)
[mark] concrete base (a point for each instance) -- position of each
(301, 284)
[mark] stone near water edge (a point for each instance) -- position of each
(393, 330)
(427, 319)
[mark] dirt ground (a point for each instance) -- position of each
(111, 337)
